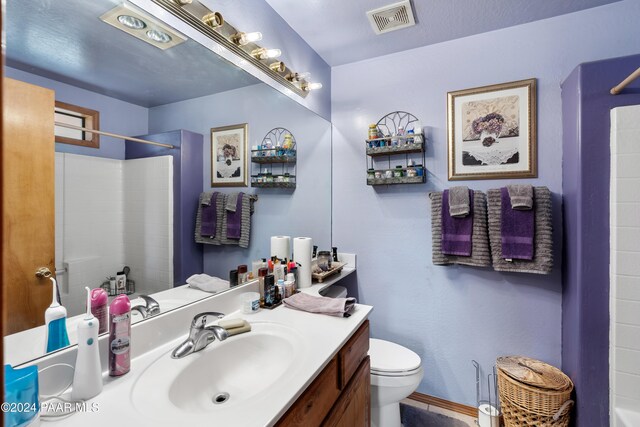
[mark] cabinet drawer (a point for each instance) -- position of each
(353, 408)
(353, 352)
(317, 400)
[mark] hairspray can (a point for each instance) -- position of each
(119, 336)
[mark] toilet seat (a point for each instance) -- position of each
(392, 360)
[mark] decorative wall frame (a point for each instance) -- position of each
(492, 131)
(229, 156)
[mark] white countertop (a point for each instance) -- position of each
(322, 335)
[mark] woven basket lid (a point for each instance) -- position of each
(534, 373)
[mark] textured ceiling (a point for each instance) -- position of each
(64, 40)
(340, 32)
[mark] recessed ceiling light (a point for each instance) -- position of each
(131, 22)
(143, 26)
(158, 36)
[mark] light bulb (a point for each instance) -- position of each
(131, 22)
(273, 53)
(303, 76)
(311, 86)
(253, 37)
(158, 36)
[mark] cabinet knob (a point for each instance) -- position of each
(43, 272)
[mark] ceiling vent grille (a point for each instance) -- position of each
(392, 17)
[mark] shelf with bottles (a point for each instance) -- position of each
(411, 174)
(268, 180)
(273, 155)
(387, 146)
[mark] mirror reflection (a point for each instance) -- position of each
(124, 212)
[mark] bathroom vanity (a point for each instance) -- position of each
(293, 369)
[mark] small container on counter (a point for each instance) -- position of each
(233, 278)
(388, 174)
(324, 260)
(99, 300)
(269, 290)
(373, 131)
(378, 175)
(287, 177)
(281, 289)
(119, 336)
(262, 272)
(419, 170)
(334, 253)
(242, 274)
(250, 302)
(397, 172)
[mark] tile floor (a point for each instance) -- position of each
(418, 414)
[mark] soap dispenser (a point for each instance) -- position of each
(87, 378)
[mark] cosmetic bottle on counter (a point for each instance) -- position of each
(119, 336)
(269, 290)
(242, 274)
(262, 272)
(233, 278)
(99, 300)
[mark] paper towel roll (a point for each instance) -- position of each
(281, 247)
(488, 416)
(302, 249)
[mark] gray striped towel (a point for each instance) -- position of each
(221, 221)
(480, 253)
(542, 262)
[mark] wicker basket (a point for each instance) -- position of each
(524, 405)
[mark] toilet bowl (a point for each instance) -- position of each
(396, 372)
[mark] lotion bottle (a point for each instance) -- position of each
(87, 377)
(119, 336)
(55, 318)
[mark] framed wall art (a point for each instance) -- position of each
(492, 131)
(229, 159)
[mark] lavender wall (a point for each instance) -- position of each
(450, 315)
(187, 179)
(303, 212)
(585, 305)
(116, 116)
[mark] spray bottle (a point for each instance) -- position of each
(119, 336)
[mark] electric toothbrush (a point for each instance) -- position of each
(87, 377)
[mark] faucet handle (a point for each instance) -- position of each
(200, 320)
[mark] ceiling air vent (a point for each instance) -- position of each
(392, 17)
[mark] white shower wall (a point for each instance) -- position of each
(625, 267)
(104, 222)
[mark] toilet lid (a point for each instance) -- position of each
(390, 357)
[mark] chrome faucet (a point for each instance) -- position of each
(150, 307)
(200, 335)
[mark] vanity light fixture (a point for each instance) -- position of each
(297, 77)
(278, 67)
(242, 39)
(263, 53)
(307, 86)
(142, 26)
(213, 19)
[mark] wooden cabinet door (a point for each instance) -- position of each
(353, 408)
(28, 211)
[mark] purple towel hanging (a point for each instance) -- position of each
(209, 217)
(456, 231)
(234, 220)
(517, 228)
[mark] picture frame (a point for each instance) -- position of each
(229, 156)
(492, 131)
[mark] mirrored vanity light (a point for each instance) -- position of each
(263, 53)
(297, 77)
(242, 39)
(306, 86)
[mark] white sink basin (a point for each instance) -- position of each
(225, 376)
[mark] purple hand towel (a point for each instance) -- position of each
(234, 220)
(517, 229)
(209, 218)
(456, 231)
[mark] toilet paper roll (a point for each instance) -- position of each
(302, 249)
(281, 247)
(488, 416)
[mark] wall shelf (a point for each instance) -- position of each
(399, 133)
(278, 153)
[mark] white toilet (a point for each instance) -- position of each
(396, 372)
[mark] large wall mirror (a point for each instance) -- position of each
(125, 204)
